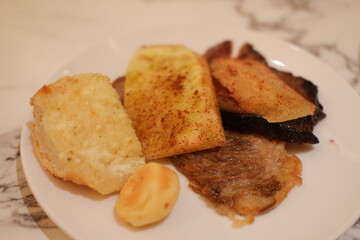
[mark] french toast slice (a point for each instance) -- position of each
(170, 98)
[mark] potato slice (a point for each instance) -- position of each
(170, 97)
(148, 195)
(259, 91)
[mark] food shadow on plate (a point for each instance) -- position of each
(76, 189)
(71, 187)
(126, 225)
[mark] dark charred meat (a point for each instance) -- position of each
(248, 175)
(295, 131)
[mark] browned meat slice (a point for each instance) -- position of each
(296, 130)
(223, 49)
(247, 51)
(248, 175)
(118, 84)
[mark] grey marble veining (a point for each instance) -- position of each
(298, 22)
(353, 233)
(16, 197)
(18, 205)
(295, 20)
(19, 208)
(292, 22)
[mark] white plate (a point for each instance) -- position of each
(322, 208)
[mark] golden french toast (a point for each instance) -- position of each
(81, 133)
(170, 98)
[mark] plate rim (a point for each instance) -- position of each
(288, 45)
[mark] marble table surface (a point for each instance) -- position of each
(37, 37)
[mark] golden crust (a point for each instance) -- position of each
(81, 133)
(171, 100)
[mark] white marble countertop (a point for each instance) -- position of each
(37, 37)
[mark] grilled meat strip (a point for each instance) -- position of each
(296, 131)
(248, 175)
(223, 49)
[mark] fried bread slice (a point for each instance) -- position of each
(81, 133)
(171, 100)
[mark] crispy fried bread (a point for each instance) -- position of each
(81, 133)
